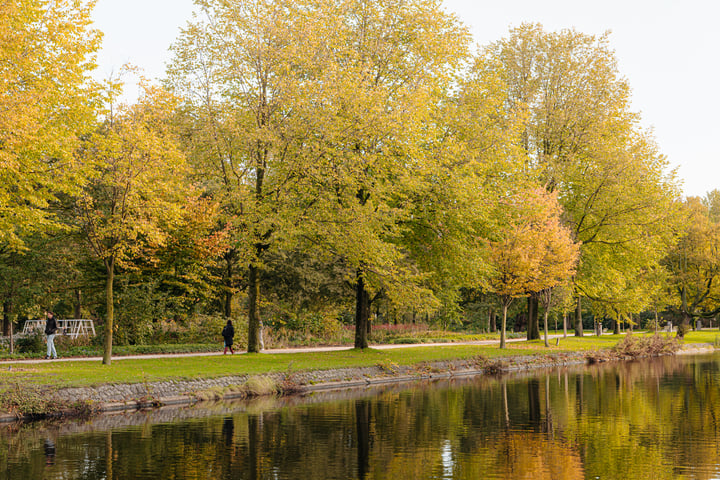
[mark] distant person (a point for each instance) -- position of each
(51, 329)
(228, 333)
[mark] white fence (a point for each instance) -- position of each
(73, 327)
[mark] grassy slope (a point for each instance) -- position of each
(84, 373)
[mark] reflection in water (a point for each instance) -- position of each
(49, 452)
(362, 416)
(653, 419)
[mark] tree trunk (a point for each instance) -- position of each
(685, 322)
(7, 314)
(493, 322)
(229, 258)
(616, 327)
(362, 312)
(253, 314)
(12, 340)
(533, 329)
(657, 320)
(504, 325)
(565, 324)
(546, 328)
(78, 303)
(7, 308)
(578, 318)
(683, 326)
(110, 310)
(227, 304)
(369, 322)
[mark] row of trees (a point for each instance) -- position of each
(300, 151)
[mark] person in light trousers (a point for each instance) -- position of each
(50, 332)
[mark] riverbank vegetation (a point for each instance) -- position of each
(324, 173)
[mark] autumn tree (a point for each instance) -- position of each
(243, 69)
(583, 141)
(134, 190)
(535, 252)
(388, 67)
(46, 52)
(694, 263)
(473, 163)
(309, 119)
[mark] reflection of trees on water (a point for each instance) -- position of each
(630, 420)
(362, 421)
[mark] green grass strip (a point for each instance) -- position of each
(92, 373)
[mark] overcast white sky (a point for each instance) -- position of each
(667, 49)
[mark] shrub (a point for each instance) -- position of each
(33, 343)
(682, 329)
(633, 346)
(406, 340)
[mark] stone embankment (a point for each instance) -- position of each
(118, 397)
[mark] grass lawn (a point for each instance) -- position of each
(87, 373)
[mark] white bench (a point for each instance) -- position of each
(72, 327)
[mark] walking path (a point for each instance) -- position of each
(270, 351)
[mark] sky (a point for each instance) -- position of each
(666, 49)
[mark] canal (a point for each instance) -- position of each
(649, 419)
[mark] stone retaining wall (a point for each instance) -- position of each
(153, 394)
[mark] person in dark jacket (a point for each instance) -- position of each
(50, 332)
(228, 333)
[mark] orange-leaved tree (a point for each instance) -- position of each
(535, 252)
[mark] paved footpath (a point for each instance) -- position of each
(271, 350)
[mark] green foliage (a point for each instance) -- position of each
(33, 343)
(582, 140)
(694, 263)
(143, 306)
(338, 148)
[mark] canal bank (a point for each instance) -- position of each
(116, 397)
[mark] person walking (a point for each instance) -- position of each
(50, 332)
(228, 333)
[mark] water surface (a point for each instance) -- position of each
(654, 419)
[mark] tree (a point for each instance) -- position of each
(393, 66)
(474, 162)
(134, 188)
(312, 114)
(694, 263)
(244, 73)
(583, 141)
(46, 98)
(535, 254)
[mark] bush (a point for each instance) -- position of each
(406, 340)
(33, 343)
(682, 329)
(635, 347)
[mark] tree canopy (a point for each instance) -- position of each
(47, 51)
(302, 157)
